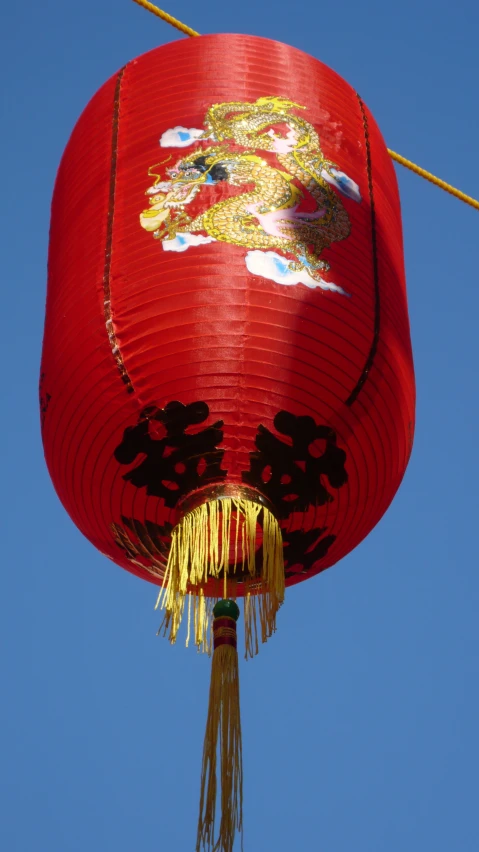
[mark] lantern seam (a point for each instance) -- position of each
(377, 301)
(115, 349)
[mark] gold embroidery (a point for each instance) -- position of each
(267, 215)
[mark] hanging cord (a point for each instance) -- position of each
(166, 17)
(408, 164)
(433, 179)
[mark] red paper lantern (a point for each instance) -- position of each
(227, 340)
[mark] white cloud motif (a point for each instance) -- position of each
(180, 137)
(183, 241)
(341, 181)
(270, 265)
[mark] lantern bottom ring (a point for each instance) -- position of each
(222, 491)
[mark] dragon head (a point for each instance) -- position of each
(201, 166)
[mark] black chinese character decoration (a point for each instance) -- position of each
(178, 457)
(302, 549)
(144, 541)
(293, 472)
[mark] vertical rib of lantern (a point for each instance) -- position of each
(226, 540)
(109, 323)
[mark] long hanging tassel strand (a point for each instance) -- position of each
(203, 543)
(223, 723)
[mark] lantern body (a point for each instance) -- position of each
(226, 304)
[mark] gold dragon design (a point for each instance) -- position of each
(267, 214)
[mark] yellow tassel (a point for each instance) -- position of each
(223, 730)
(263, 599)
(200, 551)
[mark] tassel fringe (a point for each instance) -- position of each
(202, 545)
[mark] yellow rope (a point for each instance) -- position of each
(166, 17)
(408, 164)
(433, 179)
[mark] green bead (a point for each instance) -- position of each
(226, 608)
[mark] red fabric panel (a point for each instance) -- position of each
(197, 326)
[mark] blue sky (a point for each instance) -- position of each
(360, 716)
